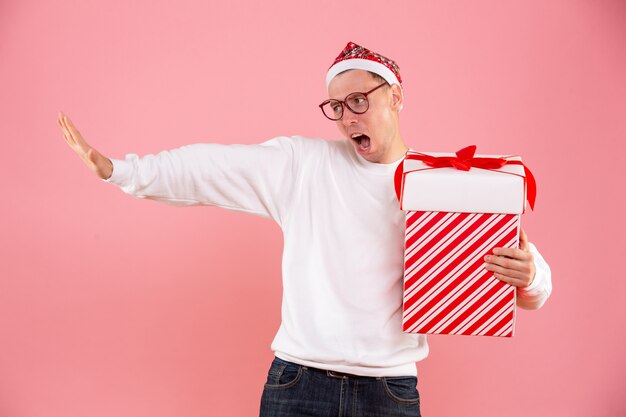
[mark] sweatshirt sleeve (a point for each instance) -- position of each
(256, 178)
(536, 294)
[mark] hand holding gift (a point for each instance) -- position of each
(511, 265)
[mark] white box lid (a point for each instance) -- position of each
(478, 190)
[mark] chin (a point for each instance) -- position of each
(371, 157)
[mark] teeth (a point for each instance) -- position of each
(356, 135)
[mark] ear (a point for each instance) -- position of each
(397, 97)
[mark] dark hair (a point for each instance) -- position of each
(378, 77)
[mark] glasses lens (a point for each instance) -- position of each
(333, 110)
(357, 102)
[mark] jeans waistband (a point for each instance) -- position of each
(337, 374)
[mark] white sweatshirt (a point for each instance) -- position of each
(343, 241)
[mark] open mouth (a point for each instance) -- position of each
(363, 141)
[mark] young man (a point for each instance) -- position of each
(340, 348)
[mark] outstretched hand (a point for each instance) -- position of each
(98, 163)
(512, 265)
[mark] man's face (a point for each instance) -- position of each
(374, 133)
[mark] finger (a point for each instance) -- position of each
(78, 138)
(510, 276)
(63, 130)
(60, 120)
(523, 240)
(67, 135)
(503, 265)
(509, 272)
(511, 280)
(68, 138)
(62, 123)
(66, 132)
(514, 253)
(71, 128)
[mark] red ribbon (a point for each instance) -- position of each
(465, 160)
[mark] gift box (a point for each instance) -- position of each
(458, 208)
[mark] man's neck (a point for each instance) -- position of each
(396, 152)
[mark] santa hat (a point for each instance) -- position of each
(355, 56)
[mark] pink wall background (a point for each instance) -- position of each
(111, 305)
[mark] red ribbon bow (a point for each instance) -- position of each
(465, 160)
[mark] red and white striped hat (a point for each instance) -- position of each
(355, 56)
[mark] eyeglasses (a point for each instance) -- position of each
(355, 102)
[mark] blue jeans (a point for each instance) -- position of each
(297, 390)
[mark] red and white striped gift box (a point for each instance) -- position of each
(455, 215)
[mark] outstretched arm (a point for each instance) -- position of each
(95, 161)
(257, 178)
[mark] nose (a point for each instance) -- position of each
(348, 118)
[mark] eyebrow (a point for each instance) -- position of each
(367, 90)
(343, 99)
